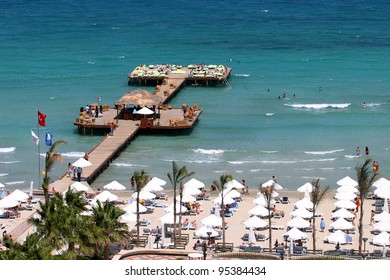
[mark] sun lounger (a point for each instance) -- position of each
(145, 222)
(277, 227)
(285, 200)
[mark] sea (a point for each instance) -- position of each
(293, 107)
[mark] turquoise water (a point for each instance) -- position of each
(58, 56)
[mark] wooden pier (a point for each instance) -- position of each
(127, 125)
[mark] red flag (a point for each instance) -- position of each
(41, 119)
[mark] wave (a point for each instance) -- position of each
(201, 161)
(327, 168)
(269, 114)
(241, 75)
(209, 152)
(351, 156)
(296, 161)
(238, 162)
(3, 174)
(323, 152)
(7, 150)
(269, 152)
(120, 164)
(261, 169)
(312, 177)
(319, 106)
(15, 183)
(9, 162)
(264, 11)
(73, 154)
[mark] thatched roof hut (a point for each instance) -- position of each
(139, 97)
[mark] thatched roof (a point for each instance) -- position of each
(139, 97)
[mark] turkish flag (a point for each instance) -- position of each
(41, 119)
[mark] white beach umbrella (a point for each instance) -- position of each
(270, 183)
(347, 188)
(255, 222)
(295, 234)
(307, 187)
(2, 185)
(345, 195)
(342, 224)
(79, 187)
(226, 200)
(191, 191)
(168, 219)
(381, 226)
(128, 217)
(212, 220)
(261, 200)
(145, 111)
(382, 217)
(106, 196)
(144, 195)
(132, 208)
(233, 194)
(18, 195)
(383, 192)
(382, 182)
(338, 237)
(234, 184)
(259, 210)
(204, 230)
(154, 185)
(186, 198)
(343, 213)
(8, 202)
(194, 183)
(382, 239)
(304, 203)
(298, 222)
(114, 185)
(347, 204)
(302, 212)
(82, 162)
(347, 181)
(179, 208)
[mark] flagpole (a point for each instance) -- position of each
(39, 158)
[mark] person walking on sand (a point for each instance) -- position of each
(322, 225)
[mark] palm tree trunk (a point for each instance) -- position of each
(106, 251)
(174, 215)
(138, 217)
(314, 230)
(223, 223)
(360, 228)
(269, 229)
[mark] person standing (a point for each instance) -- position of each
(69, 171)
(79, 172)
(322, 225)
(112, 129)
(367, 151)
(358, 151)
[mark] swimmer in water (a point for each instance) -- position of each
(364, 104)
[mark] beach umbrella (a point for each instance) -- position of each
(18, 195)
(270, 183)
(259, 210)
(302, 212)
(226, 200)
(194, 183)
(8, 202)
(347, 181)
(144, 195)
(234, 184)
(306, 188)
(128, 217)
(82, 162)
(233, 194)
(345, 195)
(255, 222)
(382, 217)
(347, 204)
(382, 182)
(191, 191)
(114, 185)
(304, 203)
(212, 220)
(347, 188)
(179, 208)
(132, 208)
(382, 239)
(342, 224)
(382, 192)
(145, 111)
(2, 185)
(106, 196)
(298, 222)
(186, 198)
(168, 218)
(295, 234)
(79, 187)
(154, 185)
(261, 200)
(338, 237)
(343, 213)
(381, 226)
(204, 230)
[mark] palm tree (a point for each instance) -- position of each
(267, 193)
(140, 178)
(365, 179)
(221, 188)
(317, 196)
(176, 177)
(109, 228)
(51, 157)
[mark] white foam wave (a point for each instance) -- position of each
(9, 162)
(201, 161)
(120, 164)
(7, 150)
(52, 97)
(304, 169)
(264, 11)
(323, 152)
(351, 156)
(296, 161)
(15, 183)
(319, 106)
(209, 152)
(73, 154)
(261, 169)
(238, 162)
(269, 114)
(327, 168)
(312, 177)
(242, 75)
(121, 56)
(269, 152)
(3, 174)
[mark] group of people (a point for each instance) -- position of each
(367, 151)
(76, 171)
(93, 111)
